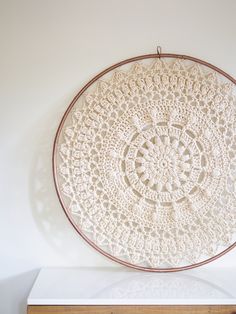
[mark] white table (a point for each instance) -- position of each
(120, 290)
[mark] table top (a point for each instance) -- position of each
(120, 286)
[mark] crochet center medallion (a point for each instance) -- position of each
(145, 162)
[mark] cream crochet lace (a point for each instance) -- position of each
(146, 164)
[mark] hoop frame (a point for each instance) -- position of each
(97, 77)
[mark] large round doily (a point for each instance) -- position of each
(145, 162)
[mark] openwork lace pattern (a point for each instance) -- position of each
(146, 163)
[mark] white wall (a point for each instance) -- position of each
(48, 50)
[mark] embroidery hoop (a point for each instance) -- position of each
(55, 147)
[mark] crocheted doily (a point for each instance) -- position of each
(145, 163)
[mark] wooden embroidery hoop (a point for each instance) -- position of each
(92, 81)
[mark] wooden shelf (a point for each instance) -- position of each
(131, 309)
(121, 291)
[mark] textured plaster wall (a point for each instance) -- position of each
(49, 50)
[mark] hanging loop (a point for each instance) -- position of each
(158, 50)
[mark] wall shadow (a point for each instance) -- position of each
(14, 292)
